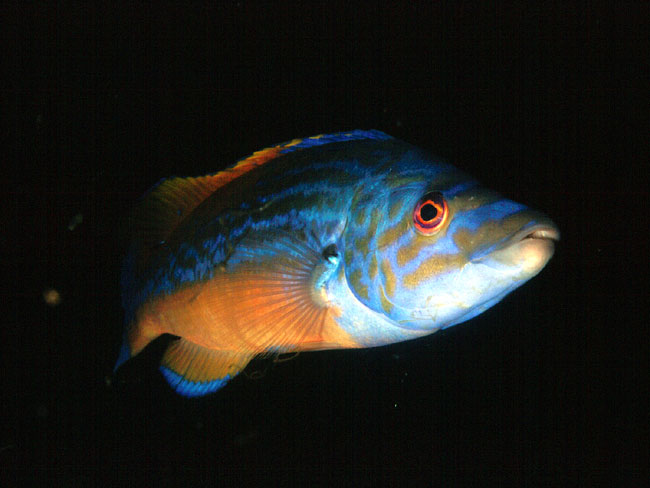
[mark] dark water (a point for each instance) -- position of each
(544, 104)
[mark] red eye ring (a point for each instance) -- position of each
(430, 213)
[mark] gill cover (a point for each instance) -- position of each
(386, 232)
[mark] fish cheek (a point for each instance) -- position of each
(360, 242)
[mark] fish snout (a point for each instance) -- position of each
(530, 248)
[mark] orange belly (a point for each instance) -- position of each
(247, 311)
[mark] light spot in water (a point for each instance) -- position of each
(75, 221)
(52, 297)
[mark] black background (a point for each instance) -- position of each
(545, 103)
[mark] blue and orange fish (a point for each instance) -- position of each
(338, 241)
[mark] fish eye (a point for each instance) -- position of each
(430, 213)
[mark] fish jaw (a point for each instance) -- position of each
(490, 278)
(527, 251)
(530, 249)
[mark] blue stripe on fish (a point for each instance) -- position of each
(189, 388)
(337, 137)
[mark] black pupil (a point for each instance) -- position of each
(428, 212)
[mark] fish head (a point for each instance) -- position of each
(432, 254)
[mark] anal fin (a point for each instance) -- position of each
(194, 370)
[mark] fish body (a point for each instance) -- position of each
(337, 241)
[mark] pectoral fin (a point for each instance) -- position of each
(273, 296)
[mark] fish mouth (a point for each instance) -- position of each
(530, 248)
(539, 231)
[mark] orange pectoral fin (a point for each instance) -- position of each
(273, 295)
(275, 307)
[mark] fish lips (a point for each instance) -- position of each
(529, 249)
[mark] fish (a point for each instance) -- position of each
(337, 241)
